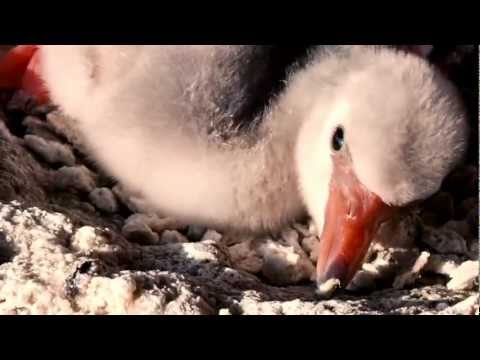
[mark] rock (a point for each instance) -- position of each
(464, 277)
(52, 152)
(104, 200)
(77, 177)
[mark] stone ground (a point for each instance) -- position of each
(73, 241)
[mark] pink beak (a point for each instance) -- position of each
(353, 215)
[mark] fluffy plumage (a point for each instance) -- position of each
(211, 135)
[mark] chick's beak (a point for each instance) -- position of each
(352, 217)
(19, 69)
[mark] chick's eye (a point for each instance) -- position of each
(338, 139)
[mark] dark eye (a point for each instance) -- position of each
(338, 139)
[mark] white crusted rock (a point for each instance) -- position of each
(328, 288)
(442, 264)
(465, 277)
(468, 306)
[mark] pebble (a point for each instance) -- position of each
(121, 194)
(310, 245)
(363, 280)
(5, 133)
(442, 205)
(464, 208)
(173, 237)
(21, 102)
(444, 241)
(463, 182)
(104, 200)
(328, 288)
(157, 224)
(410, 276)
(76, 177)
(245, 258)
(224, 312)
(283, 265)
(52, 152)
(195, 233)
(42, 110)
(212, 235)
(472, 221)
(441, 306)
(302, 229)
(137, 231)
(66, 127)
(461, 227)
(398, 232)
(35, 126)
(132, 201)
